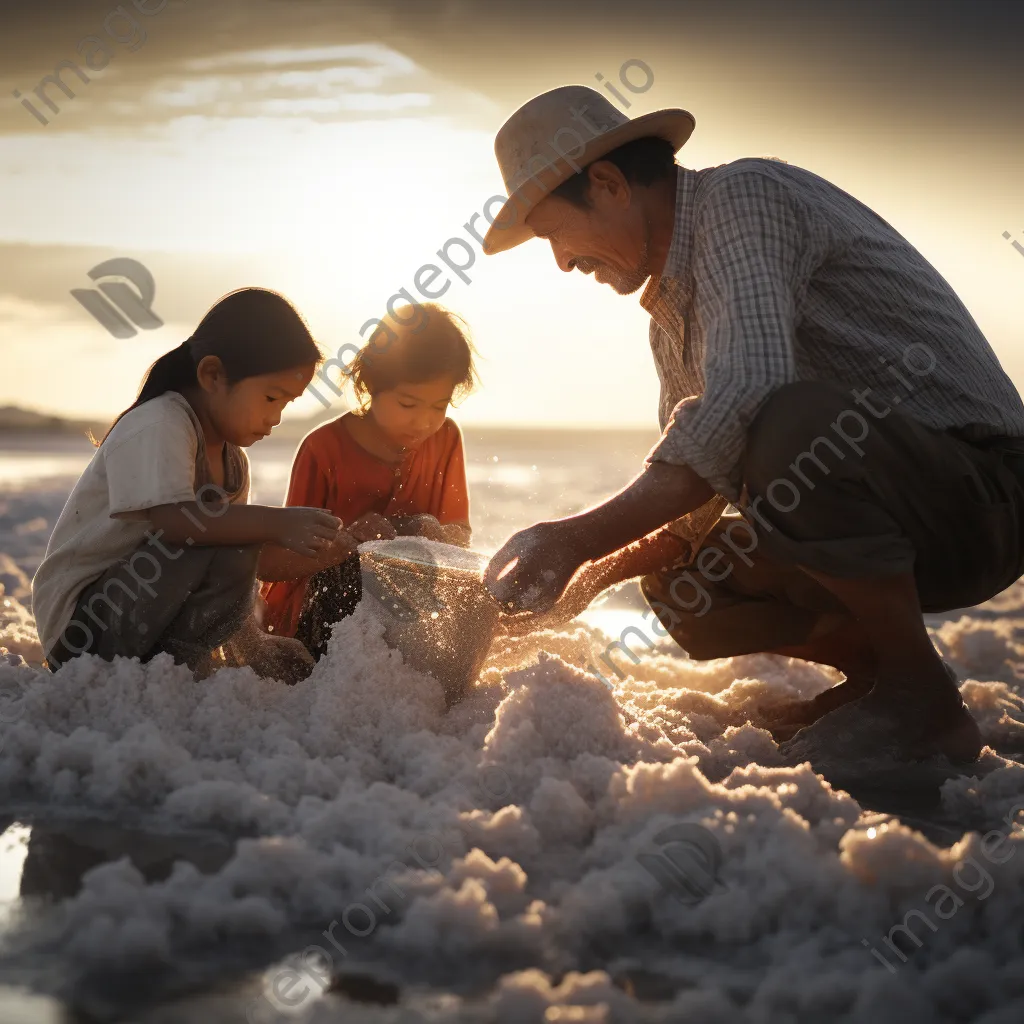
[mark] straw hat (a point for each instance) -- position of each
(554, 136)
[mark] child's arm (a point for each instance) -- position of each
(305, 531)
(277, 563)
(307, 487)
(151, 476)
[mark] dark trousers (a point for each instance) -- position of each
(833, 487)
(185, 601)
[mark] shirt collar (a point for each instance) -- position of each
(680, 250)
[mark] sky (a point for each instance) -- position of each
(330, 149)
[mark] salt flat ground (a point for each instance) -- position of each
(219, 851)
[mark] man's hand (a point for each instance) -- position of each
(576, 599)
(547, 555)
(534, 566)
(656, 551)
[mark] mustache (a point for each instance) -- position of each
(586, 265)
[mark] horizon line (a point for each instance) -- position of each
(317, 418)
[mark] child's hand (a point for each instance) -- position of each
(343, 546)
(371, 527)
(458, 534)
(306, 531)
(420, 525)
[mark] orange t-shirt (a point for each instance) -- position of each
(332, 471)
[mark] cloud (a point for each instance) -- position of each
(201, 59)
(315, 82)
(331, 61)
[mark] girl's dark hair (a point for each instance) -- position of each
(252, 331)
(439, 346)
(643, 161)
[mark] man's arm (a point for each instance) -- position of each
(661, 494)
(755, 250)
(649, 554)
(656, 551)
(547, 555)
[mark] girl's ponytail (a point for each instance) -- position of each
(252, 331)
(173, 371)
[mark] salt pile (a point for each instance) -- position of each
(497, 844)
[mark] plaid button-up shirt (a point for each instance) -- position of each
(775, 275)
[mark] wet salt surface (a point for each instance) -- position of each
(501, 838)
(173, 851)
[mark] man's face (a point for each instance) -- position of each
(608, 239)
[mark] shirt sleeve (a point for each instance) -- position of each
(755, 250)
(454, 506)
(155, 465)
(246, 493)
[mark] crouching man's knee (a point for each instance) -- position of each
(803, 433)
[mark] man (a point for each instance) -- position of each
(817, 373)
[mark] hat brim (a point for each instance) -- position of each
(509, 228)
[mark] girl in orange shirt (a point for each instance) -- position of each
(394, 466)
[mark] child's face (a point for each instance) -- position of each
(410, 413)
(248, 410)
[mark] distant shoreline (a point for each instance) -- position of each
(18, 421)
(19, 426)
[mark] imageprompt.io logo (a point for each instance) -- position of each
(684, 860)
(121, 308)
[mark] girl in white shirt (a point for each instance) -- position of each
(157, 547)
